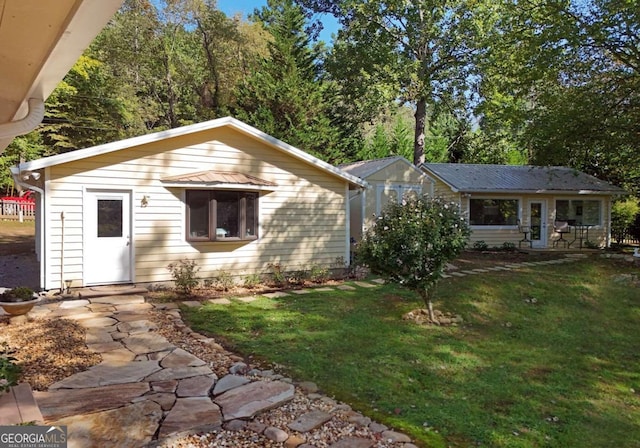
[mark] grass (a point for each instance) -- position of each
(561, 370)
(16, 237)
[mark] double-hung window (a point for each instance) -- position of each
(222, 215)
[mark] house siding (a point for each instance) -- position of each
(302, 221)
(396, 175)
(497, 236)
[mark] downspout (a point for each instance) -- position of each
(15, 173)
(25, 125)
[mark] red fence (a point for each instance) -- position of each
(12, 209)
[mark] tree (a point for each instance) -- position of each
(85, 109)
(419, 52)
(412, 241)
(285, 96)
(562, 79)
(623, 214)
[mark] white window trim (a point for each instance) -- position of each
(580, 198)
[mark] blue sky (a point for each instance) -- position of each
(245, 7)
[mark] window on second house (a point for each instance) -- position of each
(578, 211)
(493, 212)
(222, 215)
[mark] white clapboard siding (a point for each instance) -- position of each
(302, 220)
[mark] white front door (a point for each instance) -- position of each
(538, 223)
(107, 230)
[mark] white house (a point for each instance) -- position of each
(220, 193)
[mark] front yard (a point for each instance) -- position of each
(547, 355)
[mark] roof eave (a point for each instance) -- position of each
(543, 191)
(190, 129)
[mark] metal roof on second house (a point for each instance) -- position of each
(510, 178)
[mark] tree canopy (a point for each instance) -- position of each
(518, 81)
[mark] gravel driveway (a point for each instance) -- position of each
(19, 270)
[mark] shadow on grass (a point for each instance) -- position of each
(547, 356)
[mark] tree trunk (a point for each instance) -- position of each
(418, 141)
(426, 297)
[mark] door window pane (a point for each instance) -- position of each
(109, 218)
(536, 221)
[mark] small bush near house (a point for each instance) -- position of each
(252, 281)
(184, 273)
(318, 274)
(298, 276)
(508, 246)
(223, 281)
(480, 245)
(277, 274)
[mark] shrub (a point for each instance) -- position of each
(19, 294)
(318, 274)
(412, 241)
(298, 276)
(508, 246)
(277, 274)
(252, 281)
(223, 281)
(184, 273)
(480, 245)
(9, 371)
(623, 215)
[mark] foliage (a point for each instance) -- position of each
(508, 246)
(623, 214)
(418, 52)
(285, 97)
(18, 294)
(412, 241)
(480, 245)
(22, 149)
(252, 281)
(184, 273)
(9, 371)
(518, 373)
(223, 281)
(277, 274)
(297, 276)
(318, 273)
(560, 81)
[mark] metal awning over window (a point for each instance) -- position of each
(218, 180)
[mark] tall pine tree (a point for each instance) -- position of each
(285, 96)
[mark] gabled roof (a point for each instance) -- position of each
(479, 178)
(366, 168)
(229, 122)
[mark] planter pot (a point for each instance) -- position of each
(19, 308)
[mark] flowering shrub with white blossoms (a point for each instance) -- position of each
(412, 241)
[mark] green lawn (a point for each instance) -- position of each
(562, 370)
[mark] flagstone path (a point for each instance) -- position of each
(147, 390)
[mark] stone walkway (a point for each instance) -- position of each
(147, 390)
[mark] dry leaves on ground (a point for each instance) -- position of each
(47, 350)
